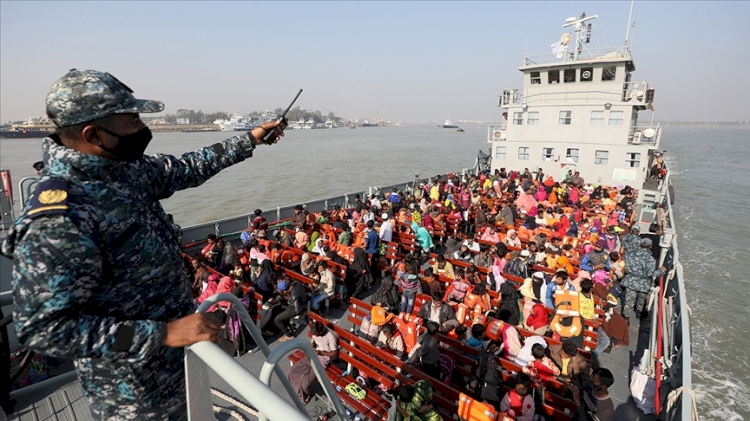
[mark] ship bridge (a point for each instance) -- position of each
(577, 110)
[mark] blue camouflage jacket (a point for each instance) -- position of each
(98, 273)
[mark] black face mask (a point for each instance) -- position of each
(130, 147)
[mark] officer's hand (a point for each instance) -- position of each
(191, 329)
(264, 128)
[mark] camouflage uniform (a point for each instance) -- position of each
(640, 270)
(630, 242)
(98, 274)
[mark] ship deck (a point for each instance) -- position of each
(64, 401)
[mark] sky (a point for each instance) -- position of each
(408, 61)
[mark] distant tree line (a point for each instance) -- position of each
(295, 114)
(199, 117)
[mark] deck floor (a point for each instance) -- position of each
(65, 402)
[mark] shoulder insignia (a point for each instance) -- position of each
(50, 198)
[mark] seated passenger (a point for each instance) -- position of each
(463, 254)
(301, 375)
(430, 284)
(391, 340)
(308, 267)
(511, 339)
(414, 403)
(518, 403)
(325, 288)
(443, 267)
(573, 366)
(477, 301)
(476, 340)
(458, 289)
(439, 312)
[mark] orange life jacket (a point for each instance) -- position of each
(566, 306)
(470, 409)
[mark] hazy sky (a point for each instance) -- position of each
(399, 61)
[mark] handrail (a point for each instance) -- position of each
(197, 389)
(26, 192)
(287, 347)
(258, 394)
(257, 337)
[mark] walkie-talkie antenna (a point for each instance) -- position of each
(293, 101)
(272, 135)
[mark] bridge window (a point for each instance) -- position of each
(523, 153)
(615, 118)
(608, 73)
(553, 77)
(500, 152)
(569, 75)
(565, 117)
(571, 154)
(533, 119)
(587, 74)
(548, 154)
(536, 78)
(601, 158)
(518, 118)
(633, 159)
(597, 118)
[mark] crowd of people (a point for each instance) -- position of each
(506, 245)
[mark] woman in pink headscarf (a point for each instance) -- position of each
(215, 286)
(301, 239)
(541, 194)
(573, 195)
(525, 201)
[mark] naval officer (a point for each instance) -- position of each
(97, 273)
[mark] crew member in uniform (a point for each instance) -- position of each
(97, 273)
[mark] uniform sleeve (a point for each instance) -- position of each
(585, 264)
(169, 174)
(56, 270)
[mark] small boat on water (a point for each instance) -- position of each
(448, 124)
(460, 130)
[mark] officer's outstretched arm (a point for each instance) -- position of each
(57, 269)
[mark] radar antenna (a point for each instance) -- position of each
(580, 36)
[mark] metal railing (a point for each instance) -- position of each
(644, 134)
(586, 54)
(257, 391)
(630, 93)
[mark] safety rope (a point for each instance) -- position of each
(675, 394)
(234, 402)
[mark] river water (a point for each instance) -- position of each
(710, 176)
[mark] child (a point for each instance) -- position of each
(517, 403)
(540, 369)
(477, 336)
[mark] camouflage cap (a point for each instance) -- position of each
(86, 95)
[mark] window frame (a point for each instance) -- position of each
(614, 122)
(575, 157)
(599, 159)
(631, 158)
(609, 73)
(548, 157)
(526, 154)
(504, 152)
(598, 121)
(569, 75)
(535, 80)
(517, 118)
(567, 120)
(553, 80)
(529, 121)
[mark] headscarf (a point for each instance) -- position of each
(319, 243)
(210, 290)
(301, 239)
(360, 262)
(524, 355)
(423, 236)
(307, 264)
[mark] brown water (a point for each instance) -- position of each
(711, 181)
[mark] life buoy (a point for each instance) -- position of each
(566, 321)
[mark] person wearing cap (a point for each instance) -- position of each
(386, 229)
(640, 272)
(293, 303)
(612, 240)
(97, 272)
(631, 242)
(597, 258)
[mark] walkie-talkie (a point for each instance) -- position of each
(271, 136)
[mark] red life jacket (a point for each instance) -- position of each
(516, 402)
